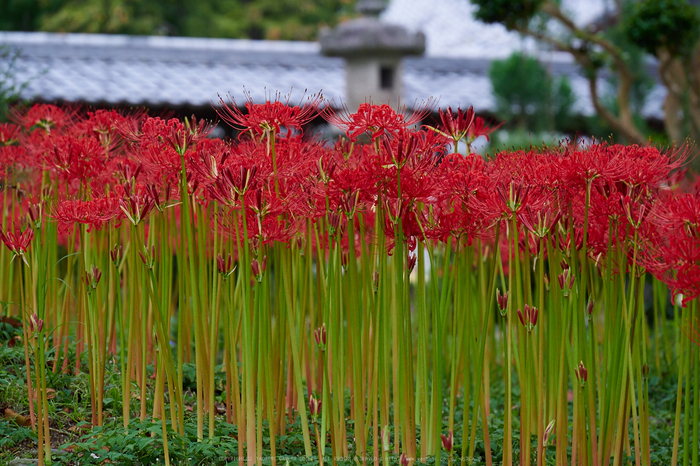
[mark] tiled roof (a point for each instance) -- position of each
(192, 71)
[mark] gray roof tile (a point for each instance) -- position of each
(192, 71)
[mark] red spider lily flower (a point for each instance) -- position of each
(137, 205)
(106, 126)
(686, 285)
(375, 119)
(636, 211)
(94, 213)
(161, 202)
(455, 126)
(45, 116)
(159, 162)
(207, 159)
(541, 222)
(513, 198)
(74, 158)
(18, 243)
(230, 185)
(480, 128)
(9, 134)
(270, 116)
(647, 167)
(399, 152)
(681, 213)
(679, 245)
(182, 136)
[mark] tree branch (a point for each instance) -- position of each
(623, 123)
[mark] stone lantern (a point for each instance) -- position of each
(373, 53)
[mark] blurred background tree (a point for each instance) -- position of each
(616, 49)
(258, 19)
(538, 109)
(528, 97)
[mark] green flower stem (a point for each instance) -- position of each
(683, 347)
(187, 221)
(688, 398)
(488, 305)
(696, 391)
(297, 360)
(422, 385)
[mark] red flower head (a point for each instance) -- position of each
(456, 126)
(270, 116)
(9, 134)
(18, 243)
(106, 126)
(75, 158)
(480, 128)
(375, 119)
(44, 116)
(94, 213)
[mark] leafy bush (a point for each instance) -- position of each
(527, 96)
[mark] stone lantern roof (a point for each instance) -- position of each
(368, 35)
(373, 51)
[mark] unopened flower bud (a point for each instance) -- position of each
(447, 441)
(321, 338)
(528, 317)
(403, 459)
(411, 263)
(115, 254)
(502, 301)
(334, 222)
(35, 323)
(548, 432)
(386, 444)
(581, 373)
(225, 266)
(589, 309)
(148, 258)
(545, 279)
(258, 268)
(566, 281)
(34, 213)
(314, 407)
(92, 278)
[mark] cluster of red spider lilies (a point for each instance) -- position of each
(383, 269)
